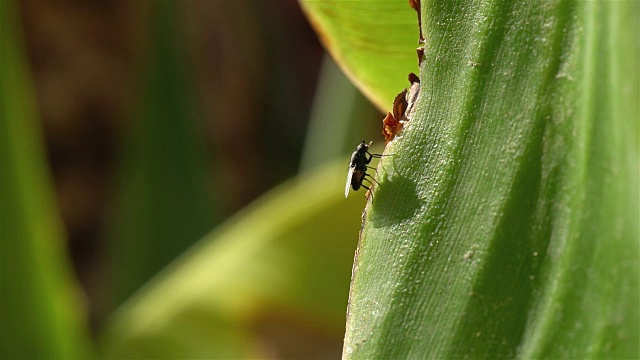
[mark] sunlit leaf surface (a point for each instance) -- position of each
(373, 41)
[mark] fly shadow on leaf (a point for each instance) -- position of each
(396, 200)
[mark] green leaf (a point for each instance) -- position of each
(506, 223)
(41, 313)
(373, 41)
(279, 268)
(163, 202)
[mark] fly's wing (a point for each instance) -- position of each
(348, 185)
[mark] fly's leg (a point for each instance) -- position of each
(370, 157)
(369, 190)
(372, 178)
(378, 155)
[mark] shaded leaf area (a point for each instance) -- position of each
(506, 224)
(163, 202)
(40, 304)
(374, 42)
(271, 282)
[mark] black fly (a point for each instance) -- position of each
(358, 168)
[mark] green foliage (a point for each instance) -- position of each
(506, 224)
(282, 263)
(281, 267)
(373, 41)
(40, 308)
(163, 202)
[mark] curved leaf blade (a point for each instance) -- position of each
(374, 42)
(281, 266)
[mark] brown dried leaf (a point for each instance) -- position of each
(390, 127)
(400, 105)
(415, 5)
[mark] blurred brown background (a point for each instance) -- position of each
(254, 69)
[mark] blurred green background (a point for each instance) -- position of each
(129, 132)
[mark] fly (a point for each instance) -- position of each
(358, 168)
